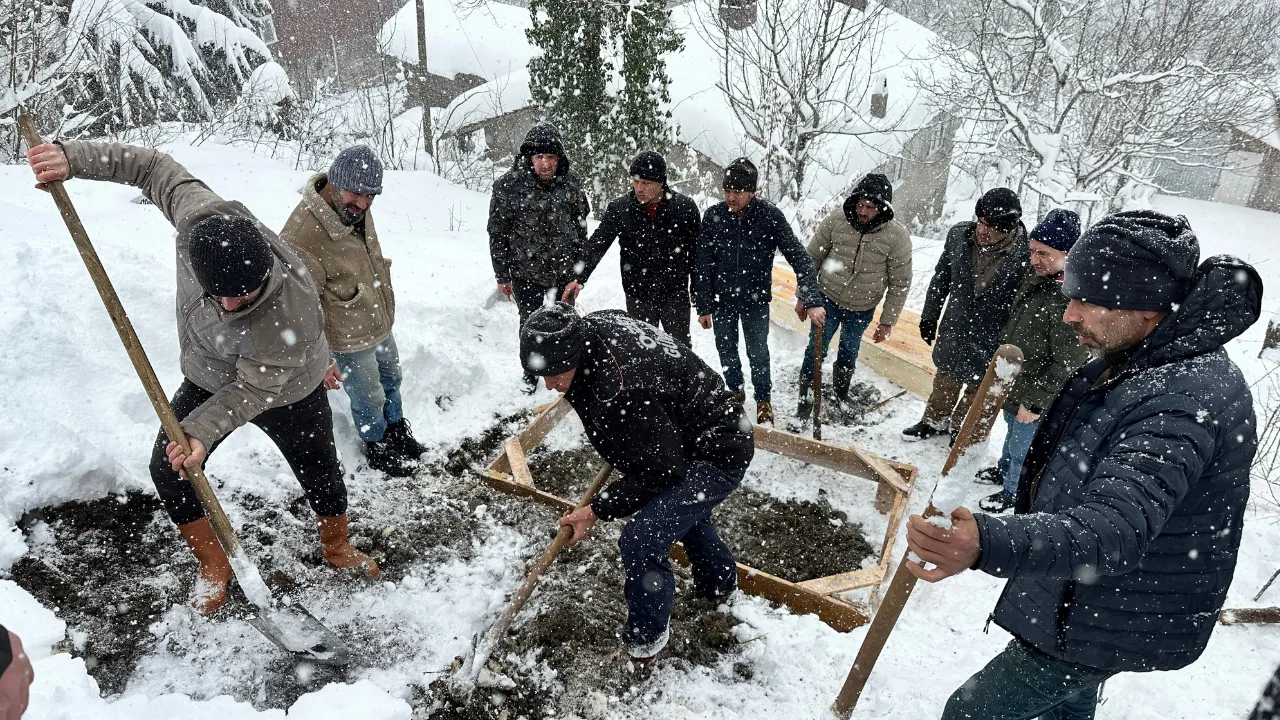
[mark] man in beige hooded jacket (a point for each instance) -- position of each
(332, 231)
(250, 332)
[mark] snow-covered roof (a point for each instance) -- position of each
(486, 40)
(706, 122)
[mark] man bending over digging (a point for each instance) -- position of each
(664, 419)
(251, 338)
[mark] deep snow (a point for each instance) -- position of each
(74, 424)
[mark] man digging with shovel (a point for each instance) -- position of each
(663, 418)
(251, 336)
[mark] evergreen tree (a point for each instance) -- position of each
(602, 80)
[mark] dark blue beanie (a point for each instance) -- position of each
(1137, 260)
(1060, 229)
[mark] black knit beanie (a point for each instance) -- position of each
(650, 166)
(741, 175)
(229, 255)
(1136, 260)
(551, 340)
(1000, 208)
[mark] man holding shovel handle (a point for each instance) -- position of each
(251, 337)
(665, 420)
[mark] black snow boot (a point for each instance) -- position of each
(840, 378)
(401, 437)
(990, 476)
(804, 408)
(922, 431)
(384, 456)
(996, 503)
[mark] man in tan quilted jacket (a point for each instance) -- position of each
(332, 231)
(252, 349)
(862, 255)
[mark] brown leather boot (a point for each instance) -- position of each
(764, 412)
(339, 552)
(210, 592)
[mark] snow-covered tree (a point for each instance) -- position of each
(602, 80)
(802, 72)
(1074, 100)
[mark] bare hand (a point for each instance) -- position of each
(571, 292)
(505, 289)
(49, 163)
(882, 333)
(705, 321)
(581, 520)
(817, 315)
(1025, 416)
(332, 378)
(950, 551)
(800, 313)
(15, 683)
(181, 460)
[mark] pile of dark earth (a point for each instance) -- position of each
(563, 654)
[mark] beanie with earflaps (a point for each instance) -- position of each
(551, 340)
(229, 255)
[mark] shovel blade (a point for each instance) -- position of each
(297, 631)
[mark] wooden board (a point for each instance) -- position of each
(844, 581)
(859, 463)
(903, 359)
(516, 459)
(537, 430)
(840, 615)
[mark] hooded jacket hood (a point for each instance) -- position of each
(876, 188)
(1225, 300)
(542, 138)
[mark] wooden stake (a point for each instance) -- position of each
(818, 334)
(990, 398)
(1250, 615)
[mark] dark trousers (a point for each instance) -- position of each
(304, 433)
(1022, 683)
(681, 514)
(529, 297)
(754, 318)
(673, 315)
(850, 323)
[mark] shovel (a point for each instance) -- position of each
(482, 647)
(290, 627)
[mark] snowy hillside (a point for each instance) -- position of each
(75, 425)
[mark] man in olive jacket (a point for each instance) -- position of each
(332, 231)
(538, 227)
(1050, 349)
(862, 255)
(252, 347)
(981, 267)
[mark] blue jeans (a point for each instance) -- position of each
(1016, 445)
(681, 514)
(755, 330)
(372, 381)
(1022, 683)
(851, 324)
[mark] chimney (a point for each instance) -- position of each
(880, 96)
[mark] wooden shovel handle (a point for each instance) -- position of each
(133, 346)
(818, 334)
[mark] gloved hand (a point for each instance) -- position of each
(928, 333)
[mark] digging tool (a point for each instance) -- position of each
(474, 663)
(1274, 575)
(818, 333)
(1249, 615)
(290, 627)
(886, 401)
(988, 401)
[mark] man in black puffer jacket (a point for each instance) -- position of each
(734, 283)
(1131, 501)
(658, 231)
(538, 227)
(663, 418)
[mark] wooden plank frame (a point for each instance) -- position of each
(820, 596)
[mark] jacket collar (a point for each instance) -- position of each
(329, 220)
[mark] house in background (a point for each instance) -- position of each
(1243, 169)
(907, 138)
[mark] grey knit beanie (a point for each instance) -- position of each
(551, 340)
(1136, 260)
(357, 170)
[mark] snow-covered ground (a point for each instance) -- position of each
(74, 424)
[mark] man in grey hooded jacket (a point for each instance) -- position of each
(251, 338)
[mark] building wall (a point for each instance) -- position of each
(920, 174)
(1266, 190)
